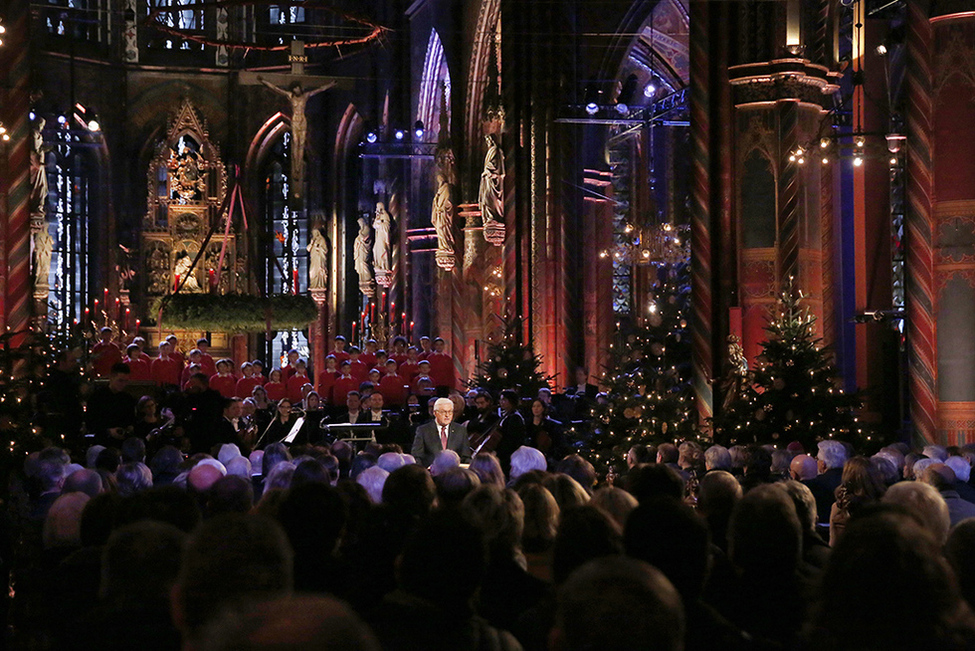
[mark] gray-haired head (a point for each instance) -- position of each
(832, 453)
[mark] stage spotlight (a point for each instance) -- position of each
(592, 99)
(371, 137)
(418, 130)
(399, 134)
(627, 91)
(62, 119)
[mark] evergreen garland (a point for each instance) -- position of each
(236, 312)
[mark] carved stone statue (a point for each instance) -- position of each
(491, 196)
(317, 260)
(381, 224)
(298, 97)
(187, 280)
(43, 248)
(38, 170)
(362, 254)
(157, 270)
(442, 216)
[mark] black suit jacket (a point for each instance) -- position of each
(426, 442)
(823, 488)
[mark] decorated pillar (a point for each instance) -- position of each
(778, 177)
(701, 254)
(316, 332)
(948, 249)
(14, 110)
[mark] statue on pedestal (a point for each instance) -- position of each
(490, 198)
(38, 170)
(43, 248)
(442, 216)
(317, 260)
(382, 224)
(361, 253)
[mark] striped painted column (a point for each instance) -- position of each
(788, 195)
(826, 240)
(460, 314)
(919, 225)
(701, 274)
(15, 109)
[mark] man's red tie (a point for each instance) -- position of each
(443, 437)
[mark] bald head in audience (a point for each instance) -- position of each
(803, 467)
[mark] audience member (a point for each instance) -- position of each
(228, 559)
(887, 586)
(618, 603)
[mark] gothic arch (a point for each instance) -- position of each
(264, 139)
(487, 19)
(341, 227)
(435, 72)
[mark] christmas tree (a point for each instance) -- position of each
(794, 393)
(648, 377)
(510, 364)
(29, 411)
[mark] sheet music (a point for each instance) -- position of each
(294, 431)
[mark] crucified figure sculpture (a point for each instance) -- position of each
(298, 97)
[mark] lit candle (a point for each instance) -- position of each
(295, 273)
(213, 278)
(176, 286)
(137, 322)
(382, 306)
(86, 316)
(118, 309)
(106, 296)
(353, 331)
(126, 322)
(372, 312)
(411, 330)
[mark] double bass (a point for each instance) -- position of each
(486, 438)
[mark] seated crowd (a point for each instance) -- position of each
(449, 532)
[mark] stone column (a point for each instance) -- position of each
(316, 333)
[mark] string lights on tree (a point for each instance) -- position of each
(510, 364)
(793, 394)
(650, 398)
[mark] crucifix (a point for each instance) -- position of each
(296, 87)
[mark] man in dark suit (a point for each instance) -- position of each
(442, 433)
(512, 428)
(225, 430)
(354, 412)
(832, 455)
